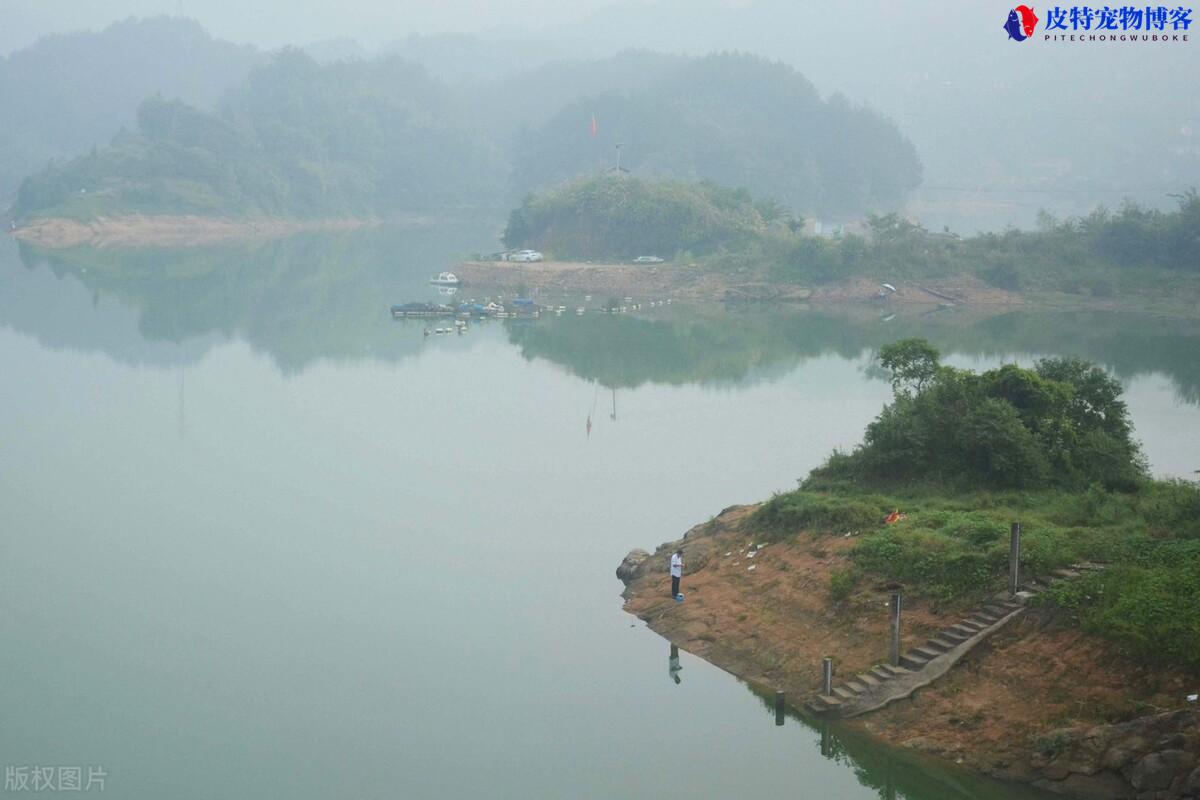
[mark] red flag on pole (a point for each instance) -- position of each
(595, 127)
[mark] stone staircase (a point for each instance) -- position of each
(922, 665)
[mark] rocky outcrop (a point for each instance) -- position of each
(633, 561)
(1150, 758)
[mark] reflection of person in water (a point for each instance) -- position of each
(673, 664)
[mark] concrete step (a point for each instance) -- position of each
(888, 668)
(828, 700)
(881, 673)
(876, 687)
(1066, 573)
(869, 680)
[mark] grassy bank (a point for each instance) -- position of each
(963, 455)
(1103, 256)
(953, 549)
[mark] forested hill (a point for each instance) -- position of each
(295, 138)
(377, 137)
(67, 93)
(736, 120)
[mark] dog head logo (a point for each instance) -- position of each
(1021, 22)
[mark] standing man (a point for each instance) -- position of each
(676, 572)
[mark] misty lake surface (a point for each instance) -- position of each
(260, 540)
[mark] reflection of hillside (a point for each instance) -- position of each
(64, 314)
(896, 773)
(712, 346)
(324, 296)
(298, 299)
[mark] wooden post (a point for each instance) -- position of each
(894, 651)
(779, 708)
(827, 676)
(1014, 559)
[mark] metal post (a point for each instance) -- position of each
(894, 652)
(779, 707)
(827, 676)
(1014, 559)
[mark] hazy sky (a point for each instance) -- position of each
(984, 112)
(271, 23)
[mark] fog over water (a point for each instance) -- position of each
(260, 536)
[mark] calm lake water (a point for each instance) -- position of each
(260, 540)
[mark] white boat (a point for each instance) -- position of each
(445, 279)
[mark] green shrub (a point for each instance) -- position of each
(820, 513)
(932, 563)
(842, 582)
(1171, 508)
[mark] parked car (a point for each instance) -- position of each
(526, 255)
(647, 260)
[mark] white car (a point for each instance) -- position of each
(647, 260)
(526, 255)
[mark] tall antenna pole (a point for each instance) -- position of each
(618, 156)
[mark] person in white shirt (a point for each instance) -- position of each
(676, 572)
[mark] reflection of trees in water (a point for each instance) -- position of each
(316, 296)
(714, 347)
(893, 772)
(299, 299)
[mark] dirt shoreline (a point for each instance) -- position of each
(162, 230)
(693, 283)
(1026, 705)
(605, 281)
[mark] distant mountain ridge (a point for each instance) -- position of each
(68, 93)
(375, 137)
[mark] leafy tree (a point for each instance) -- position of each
(912, 362)
(1008, 427)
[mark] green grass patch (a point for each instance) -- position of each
(786, 513)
